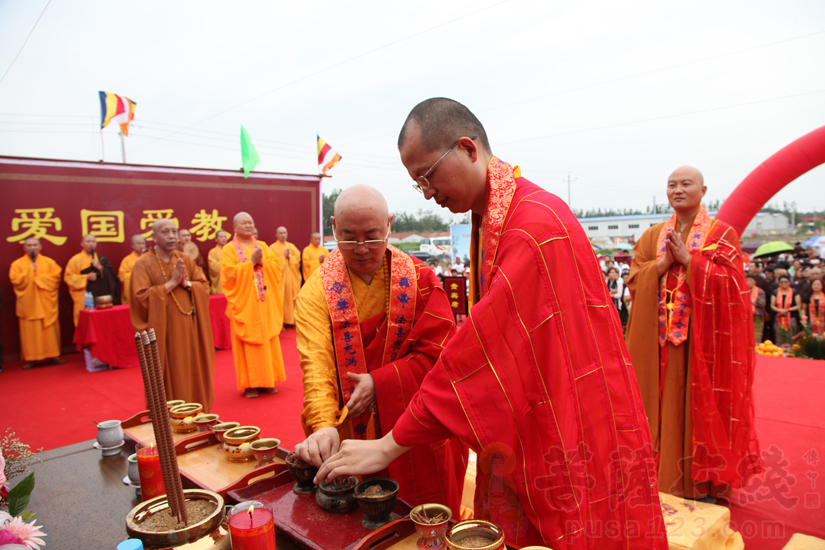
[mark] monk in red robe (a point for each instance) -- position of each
(538, 378)
(371, 323)
(691, 339)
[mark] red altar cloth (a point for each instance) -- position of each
(109, 336)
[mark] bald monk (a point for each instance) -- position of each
(250, 274)
(170, 294)
(126, 264)
(313, 255)
(214, 261)
(290, 273)
(538, 376)
(361, 363)
(690, 336)
(36, 282)
(88, 270)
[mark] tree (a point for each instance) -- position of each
(329, 208)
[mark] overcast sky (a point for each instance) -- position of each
(617, 94)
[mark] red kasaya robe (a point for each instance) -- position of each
(397, 352)
(538, 379)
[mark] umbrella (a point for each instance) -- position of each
(814, 241)
(624, 246)
(750, 248)
(769, 249)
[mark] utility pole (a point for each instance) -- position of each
(568, 190)
(654, 204)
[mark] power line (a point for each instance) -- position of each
(652, 71)
(26, 41)
(335, 65)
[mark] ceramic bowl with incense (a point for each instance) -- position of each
(236, 443)
(376, 497)
(182, 417)
(264, 450)
(337, 496)
(204, 422)
(303, 473)
(431, 522)
(475, 534)
(140, 521)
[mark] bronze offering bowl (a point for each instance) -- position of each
(103, 302)
(432, 534)
(377, 509)
(338, 496)
(264, 450)
(182, 417)
(236, 443)
(303, 473)
(475, 529)
(174, 403)
(208, 528)
(204, 422)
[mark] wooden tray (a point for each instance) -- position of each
(396, 535)
(299, 517)
(200, 461)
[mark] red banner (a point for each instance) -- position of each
(60, 201)
(456, 288)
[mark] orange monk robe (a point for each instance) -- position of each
(255, 324)
(37, 306)
(124, 273)
(432, 472)
(666, 393)
(290, 284)
(187, 353)
(310, 259)
(214, 262)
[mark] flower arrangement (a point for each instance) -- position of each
(810, 346)
(15, 524)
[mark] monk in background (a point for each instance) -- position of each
(250, 275)
(36, 282)
(372, 322)
(691, 339)
(170, 294)
(290, 285)
(87, 270)
(313, 255)
(126, 265)
(184, 238)
(214, 261)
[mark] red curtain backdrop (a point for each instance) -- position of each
(58, 201)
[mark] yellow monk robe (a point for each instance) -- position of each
(290, 277)
(77, 280)
(255, 323)
(187, 353)
(214, 262)
(124, 273)
(37, 306)
(310, 259)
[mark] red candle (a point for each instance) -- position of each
(252, 528)
(151, 476)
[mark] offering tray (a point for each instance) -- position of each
(396, 535)
(299, 517)
(200, 462)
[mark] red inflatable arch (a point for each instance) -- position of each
(770, 177)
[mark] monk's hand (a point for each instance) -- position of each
(678, 249)
(319, 446)
(286, 253)
(257, 256)
(358, 457)
(178, 272)
(321, 258)
(91, 276)
(96, 265)
(363, 396)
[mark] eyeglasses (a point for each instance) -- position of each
(421, 182)
(352, 245)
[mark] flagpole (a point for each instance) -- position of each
(123, 147)
(102, 148)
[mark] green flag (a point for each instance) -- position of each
(249, 155)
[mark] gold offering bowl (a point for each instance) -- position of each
(475, 527)
(264, 450)
(174, 403)
(103, 302)
(209, 529)
(205, 422)
(236, 443)
(182, 417)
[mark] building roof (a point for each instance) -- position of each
(661, 217)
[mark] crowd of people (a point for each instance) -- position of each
(577, 424)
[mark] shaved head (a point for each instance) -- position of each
(136, 238)
(362, 197)
(688, 172)
(440, 122)
(281, 234)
